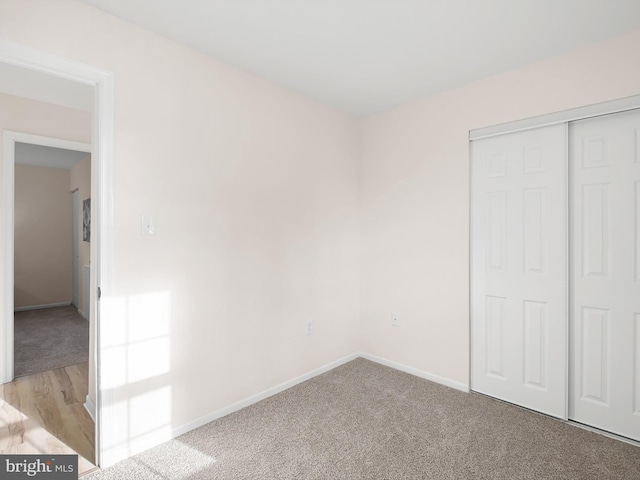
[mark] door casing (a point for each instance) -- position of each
(102, 191)
(75, 208)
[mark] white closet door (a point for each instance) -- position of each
(605, 264)
(519, 258)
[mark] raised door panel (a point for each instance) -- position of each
(636, 364)
(535, 344)
(594, 354)
(595, 232)
(534, 214)
(495, 346)
(636, 233)
(497, 230)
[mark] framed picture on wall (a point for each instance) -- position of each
(86, 220)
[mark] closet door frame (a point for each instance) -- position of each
(566, 116)
(563, 117)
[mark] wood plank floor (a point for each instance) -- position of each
(44, 413)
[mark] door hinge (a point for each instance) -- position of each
(99, 293)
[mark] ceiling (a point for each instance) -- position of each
(41, 156)
(365, 56)
(44, 87)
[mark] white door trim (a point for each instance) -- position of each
(75, 247)
(101, 187)
(6, 292)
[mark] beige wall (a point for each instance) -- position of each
(22, 115)
(80, 180)
(38, 118)
(415, 197)
(254, 192)
(42, 269)
(43, 254)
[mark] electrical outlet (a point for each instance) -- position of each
(395, 319)
(309, 327)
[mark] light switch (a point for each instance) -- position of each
(147, 225)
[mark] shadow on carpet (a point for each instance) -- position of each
(49, 338)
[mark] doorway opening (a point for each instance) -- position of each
(59, 77)
(51, 336)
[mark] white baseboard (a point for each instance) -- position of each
(262, 395)
(418, 373)
(38, 307)
(82, 314)
(307, 376)
(90, 407)
(120, 453)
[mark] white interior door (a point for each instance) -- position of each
(519, 268)
(605, 264)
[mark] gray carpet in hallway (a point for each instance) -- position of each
(49, 338)
(366, 421)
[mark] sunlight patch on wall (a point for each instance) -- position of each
(136, 346)
(135, 368)
(148, 359)
(150, 416)
(148, 316)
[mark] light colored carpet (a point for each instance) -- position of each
(366, 421)
(49, 338)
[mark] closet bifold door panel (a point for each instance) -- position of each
(605, 273)
(519, 268)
